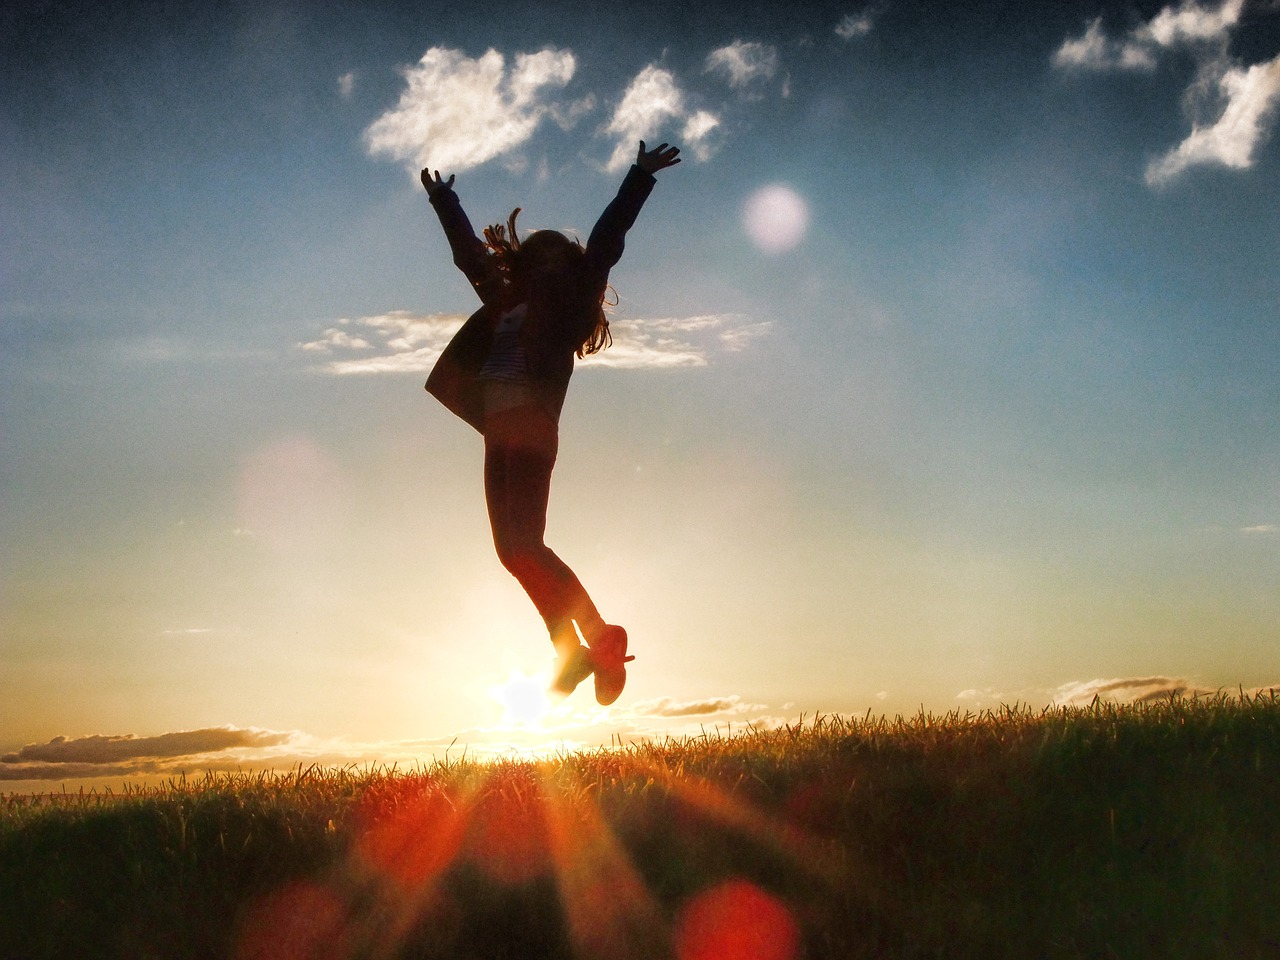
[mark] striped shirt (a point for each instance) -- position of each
(506, 354)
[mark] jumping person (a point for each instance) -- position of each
(506, 373)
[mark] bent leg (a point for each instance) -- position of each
(517, 481)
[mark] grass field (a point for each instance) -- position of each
(1146, 831)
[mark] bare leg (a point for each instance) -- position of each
(520, 454)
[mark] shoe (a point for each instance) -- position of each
(572, 666)
(609, 659)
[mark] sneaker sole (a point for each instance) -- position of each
(610, 681)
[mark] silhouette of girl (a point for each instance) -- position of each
(506, 373)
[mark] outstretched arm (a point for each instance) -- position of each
(604, 247)
(469, 254)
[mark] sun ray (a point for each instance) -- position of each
(520, 823)
(610, 913)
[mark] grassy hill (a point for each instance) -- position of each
(1110, 831)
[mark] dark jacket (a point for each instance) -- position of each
(560, 316)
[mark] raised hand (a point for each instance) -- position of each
(659, 158)
(433, 185)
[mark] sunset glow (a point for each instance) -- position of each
(523, 698)
(943, 371)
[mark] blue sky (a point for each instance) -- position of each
(944, 374)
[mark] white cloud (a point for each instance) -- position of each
(742, 63)
(667, 342)
(346, 85)
(1087, 50)
(1231, 106)
(632, 350)
(396, 342)
(1095, 51)
(1192, 23)
(1261, 528)
(695, 132)
(854, 25)
(456, 112)
(652, 99)
(336, 339)
(1189, 25)
(405, 342)
(1250, 96)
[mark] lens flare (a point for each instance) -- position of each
(776, 218)
(736, 921)
(303, 921)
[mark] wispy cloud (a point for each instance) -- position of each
(743, 63)
(394, 342)
(696, 133)
(1261, 529)
(854, 25)
(1188, 26)
(651, 101)
(1094, 50)
(678, 341)
(456, 112)
(1192, 23)
(405, 342)
(714, 706)
(1231, 106)
(346, 85)
(1248, 98)
(983, 697)
(1126, 690)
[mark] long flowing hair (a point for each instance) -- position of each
(504, 244)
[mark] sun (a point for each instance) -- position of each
(523, 698)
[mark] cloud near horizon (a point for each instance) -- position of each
(712, 706)
(1231, 106)
(405, 342)
(395, 342)
(1120, 690)
(1126, 690)
(123, 755)
(572, 726)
